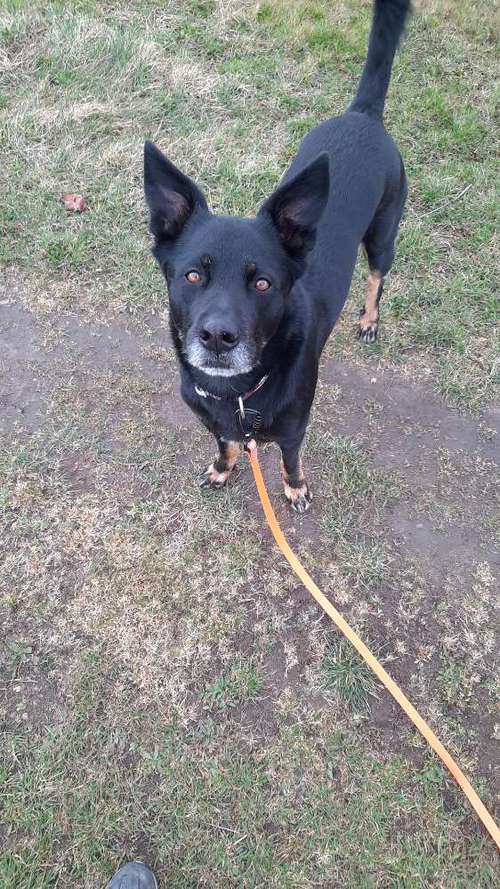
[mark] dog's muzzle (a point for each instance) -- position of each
(226, 363)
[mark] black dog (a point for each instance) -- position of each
(253, 301)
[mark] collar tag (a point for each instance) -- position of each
(250, 422)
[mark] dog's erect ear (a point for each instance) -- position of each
(170, 195)
(296, 206)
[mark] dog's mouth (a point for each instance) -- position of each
(221, 371)
(238, 361)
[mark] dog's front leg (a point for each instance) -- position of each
(296, 488)
(217, 474)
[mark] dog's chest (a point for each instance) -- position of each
(231, 420)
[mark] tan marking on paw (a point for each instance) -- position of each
(217, 478)
(212, 477)
(298, 498)
(370, 315)
(293, 494)
(232, 454)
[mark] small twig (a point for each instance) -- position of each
(240, 840)
(449, 201)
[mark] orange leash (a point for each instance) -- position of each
(365, 652)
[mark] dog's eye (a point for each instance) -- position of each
(262, 284)
(193, 277)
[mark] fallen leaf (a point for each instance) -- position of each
(76, 203)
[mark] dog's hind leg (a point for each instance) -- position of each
(369, 314)
(216, 475)
(379, 243)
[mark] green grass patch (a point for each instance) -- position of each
(348, 677)
(242, 683)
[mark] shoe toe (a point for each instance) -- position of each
(134, 875)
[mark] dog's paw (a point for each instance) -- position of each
(299, 498)
(367, 330)
(368, 334)
(212, 479)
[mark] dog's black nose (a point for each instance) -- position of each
(218, 340)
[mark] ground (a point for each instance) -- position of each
(168, 690)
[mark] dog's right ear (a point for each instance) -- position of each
(170, 195)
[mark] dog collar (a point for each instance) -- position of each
(249, 420)
(204, 393)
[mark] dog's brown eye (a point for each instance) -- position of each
(193, 277)
(262, 284)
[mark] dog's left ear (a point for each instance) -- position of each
(296, 206)
(171, 196)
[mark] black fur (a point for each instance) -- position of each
(345, 187)
(389, 19)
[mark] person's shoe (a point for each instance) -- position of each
(133, 875)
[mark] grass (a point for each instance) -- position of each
(242, 683)
(167, 690)
(348, 676)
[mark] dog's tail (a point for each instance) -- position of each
(389, 17)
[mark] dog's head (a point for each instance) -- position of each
(229, 278)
